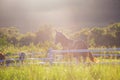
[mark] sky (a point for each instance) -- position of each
(30, 15)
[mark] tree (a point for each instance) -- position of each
(44, 34)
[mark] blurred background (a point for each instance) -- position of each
(30, 15)
(31, 24)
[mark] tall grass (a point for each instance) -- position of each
(56, 72)
(61, 72)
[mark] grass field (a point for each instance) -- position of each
(60, 72)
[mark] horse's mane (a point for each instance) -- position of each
(62, 35)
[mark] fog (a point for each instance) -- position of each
(29, 15)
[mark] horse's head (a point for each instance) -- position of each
(58, 37)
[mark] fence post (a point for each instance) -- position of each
(50, 55)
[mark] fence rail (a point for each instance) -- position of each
(87, 50)
(50, 57)
(96, 54)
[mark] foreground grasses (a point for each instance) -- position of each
(61, 72)
(58, 72)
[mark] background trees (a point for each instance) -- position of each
(108, 36)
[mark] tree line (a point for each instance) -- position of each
(108, 36)
(12, 36)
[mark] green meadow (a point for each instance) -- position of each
(12, 41)
(61, 72)
(58, 71)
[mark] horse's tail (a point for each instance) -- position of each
(92, 58)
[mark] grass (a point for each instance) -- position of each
(58, 72)
(61, 72)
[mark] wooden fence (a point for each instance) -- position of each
(51, 52)
(80, 51)
(96, 54)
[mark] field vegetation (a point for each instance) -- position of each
(13, 42)
(61, 72)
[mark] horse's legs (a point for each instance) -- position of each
(65, 57)
(84, 59)
(78, 59)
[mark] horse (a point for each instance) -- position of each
(69, 44)
(2, 58)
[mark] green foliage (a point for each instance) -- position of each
(3, 41)
(96, 37)
(108, 36)
(12, 41)
(61, 72)
(12, 36)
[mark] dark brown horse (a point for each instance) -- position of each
(2, 58)
(69, 44)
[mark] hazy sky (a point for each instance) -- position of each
(29, 15)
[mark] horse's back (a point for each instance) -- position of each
(79, 44)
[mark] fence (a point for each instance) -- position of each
(81, 51)
(50, 57)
